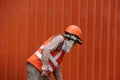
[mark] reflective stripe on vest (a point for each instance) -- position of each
(40, 57)
(53, 59)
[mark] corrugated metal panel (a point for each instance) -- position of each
(26, 24)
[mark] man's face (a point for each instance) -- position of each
(67, 45)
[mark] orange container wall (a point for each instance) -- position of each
(26, 24)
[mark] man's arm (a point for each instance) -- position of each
(51, 46)
(57, 74)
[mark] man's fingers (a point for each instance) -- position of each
(44, 74)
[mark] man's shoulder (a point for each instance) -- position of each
(59, 36)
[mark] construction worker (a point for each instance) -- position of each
(48, 57)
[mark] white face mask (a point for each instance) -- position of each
(67, 45)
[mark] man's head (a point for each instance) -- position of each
(72, 36)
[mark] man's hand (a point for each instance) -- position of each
(44, 73)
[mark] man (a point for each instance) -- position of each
(48, 57)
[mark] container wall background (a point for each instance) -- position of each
(26, 24)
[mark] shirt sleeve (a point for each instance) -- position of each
(51, 46)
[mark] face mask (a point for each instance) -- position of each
(67, 45)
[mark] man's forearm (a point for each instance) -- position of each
(57, 74)
(45, 59)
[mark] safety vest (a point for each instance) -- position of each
(55, 58)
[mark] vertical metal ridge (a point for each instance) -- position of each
(27, 22)
(23, 39)
(36, 23)
(93, 51)
(6, 65)
(6, 60)
(115, 41)
(54, 10)
(86, 37)
(108, 38)
(101, 34)
(45, 20)
(79, 1)
(17, 44)
(8, 42)
(70, 11)
(8, 21)
(16, 36)
(62, 18)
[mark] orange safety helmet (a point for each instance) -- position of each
(75, 30)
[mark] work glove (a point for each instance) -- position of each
(44, 74)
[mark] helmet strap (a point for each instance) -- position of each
(73, 37)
